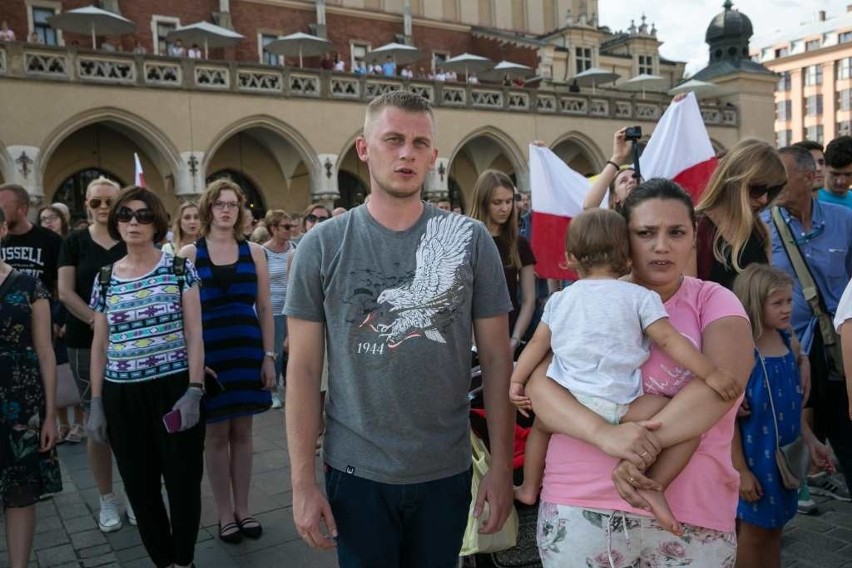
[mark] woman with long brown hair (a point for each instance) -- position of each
(185, 227)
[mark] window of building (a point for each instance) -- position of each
(844, 37)
(646, 64)
(813, 75)
(785, 82)
(812, 45)
(47, 35)
(783, 138)
(265, 56)
(843, 128)
(439, 57)
(843, 68)
(357, 53)
(583, 58)
(814, 133)
(783, 110)
(160, 27)
(782, 51)
(844, 99)
(813, 105)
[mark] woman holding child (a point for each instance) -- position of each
(592, 512)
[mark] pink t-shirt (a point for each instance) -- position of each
(705, 493)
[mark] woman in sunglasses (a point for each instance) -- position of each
(82, 255)
(148, 376)
(730, 234)
(315, 213)
(239, 346)
(185, 227)
(278, 250)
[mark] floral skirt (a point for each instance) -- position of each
(25, 473)
(573, 536)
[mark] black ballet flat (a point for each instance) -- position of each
(249, 527)
(231, 533)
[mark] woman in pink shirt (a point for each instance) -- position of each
(591, 513)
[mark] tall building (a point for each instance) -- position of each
(813, 97)
(286, 132)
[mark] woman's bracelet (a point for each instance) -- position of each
(616, 166)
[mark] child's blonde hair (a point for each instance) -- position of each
(754, 286)
(598, 238)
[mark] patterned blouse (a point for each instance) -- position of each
(145, 319)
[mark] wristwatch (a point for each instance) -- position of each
(271, 354)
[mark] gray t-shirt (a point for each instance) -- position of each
(398, 309)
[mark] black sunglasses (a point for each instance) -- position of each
(285, 226)
(311, 218)
(143, 216)
(770, 191)
(96, 202)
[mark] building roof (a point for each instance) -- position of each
(791, 33)
(729, 23)
(729, 66)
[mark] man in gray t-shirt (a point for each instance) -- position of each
(395, 290)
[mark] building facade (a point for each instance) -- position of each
(286, 133)
(813, 97)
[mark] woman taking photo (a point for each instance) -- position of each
(620, 181)
(28, 468)
(147, 362)
(239, 346)
(184, 228)
(494, 205)
(590, 508)
(82, 255)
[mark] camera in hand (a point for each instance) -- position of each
(633, 133)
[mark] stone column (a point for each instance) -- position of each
(24, 169)
(324, 186)
(189, 179)
(435, 186)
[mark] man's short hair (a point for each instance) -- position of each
(838, 153)
(22, 196)
(804, 159)
(809, 145)
(403, 100)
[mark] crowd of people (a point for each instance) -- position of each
(176, 330)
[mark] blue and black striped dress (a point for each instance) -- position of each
(233, 345)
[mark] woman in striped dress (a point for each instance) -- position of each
(237, 320)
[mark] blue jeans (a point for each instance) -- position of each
(381, 525)
(280, 333)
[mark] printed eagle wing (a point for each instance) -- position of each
(442, 250)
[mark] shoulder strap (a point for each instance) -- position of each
(104, 277)
(179, 270)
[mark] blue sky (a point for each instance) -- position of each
(681, 25)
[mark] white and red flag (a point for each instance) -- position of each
(679, 149)
(139, 175)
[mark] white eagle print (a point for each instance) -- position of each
(435, 286)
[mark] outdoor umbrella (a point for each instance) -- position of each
(300, 44)
(467, 62)
(207, 34)
(644, 82)
(594, 77)
(698, 87)
(400, 53)
(509, 68)
(92, 20)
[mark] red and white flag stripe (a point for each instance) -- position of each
(139, 175)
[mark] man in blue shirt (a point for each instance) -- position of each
(818, 153)
(823, 233)
(838, 176)
(389, 67)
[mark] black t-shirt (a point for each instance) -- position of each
(34, 253)
(513, 274)
(711, 269)
(87, 257)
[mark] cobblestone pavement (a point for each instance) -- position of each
(67, 535)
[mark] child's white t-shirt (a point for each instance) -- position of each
(844, 308)
(598, 338)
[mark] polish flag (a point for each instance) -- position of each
(679, 149)
(139, 175)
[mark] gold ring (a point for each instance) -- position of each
(643, 454)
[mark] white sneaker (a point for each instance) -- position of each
(276, 400)
(128, 508)
(109, 519)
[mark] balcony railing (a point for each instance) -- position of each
(26, 61)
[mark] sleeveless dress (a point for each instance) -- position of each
(778, 505)
(233, 344)
(25, 473)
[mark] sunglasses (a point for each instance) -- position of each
(143, 216)
(285, 226)
(311, 218)
(770, 191)
(96, 202)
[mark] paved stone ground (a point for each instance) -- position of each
(67, 535)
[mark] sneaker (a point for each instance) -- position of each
(806, 505)
(62, 435)
(276, 400)
(128, 509)
(75, 434)
(829, 486)
(109, 519)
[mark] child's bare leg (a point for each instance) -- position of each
(668, 465)
(535, 452)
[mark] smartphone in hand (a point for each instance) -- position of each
(172, 421)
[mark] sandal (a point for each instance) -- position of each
(249, 526)
(75, 435)
(230, 533)
(62, 434)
